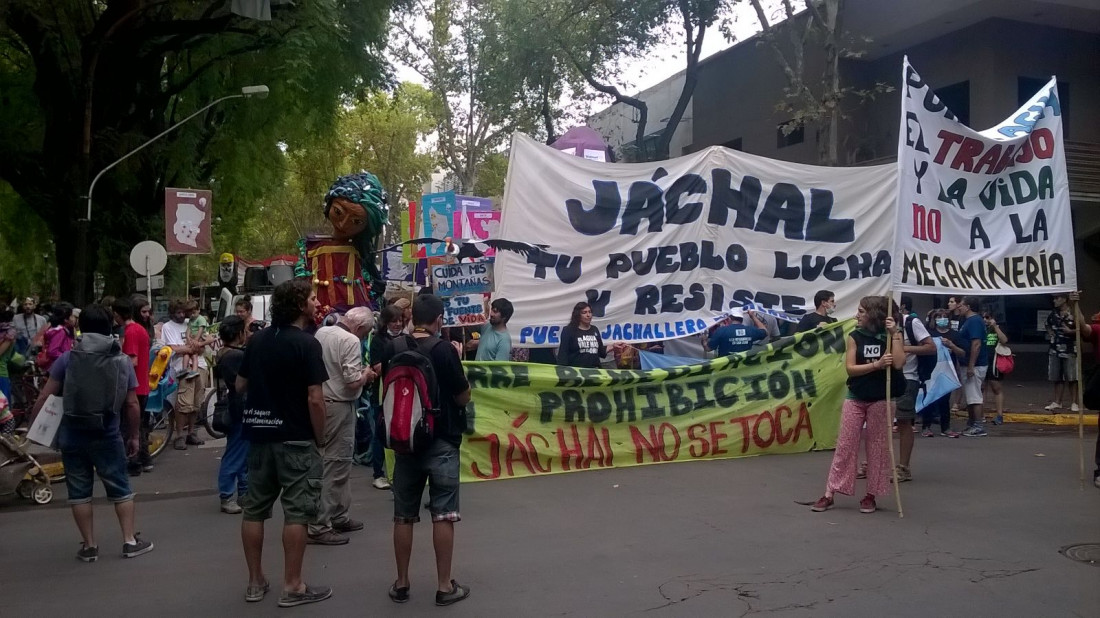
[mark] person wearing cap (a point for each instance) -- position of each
(736, 336)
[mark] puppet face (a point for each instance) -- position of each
(348, 219)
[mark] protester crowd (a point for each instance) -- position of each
(303, 403)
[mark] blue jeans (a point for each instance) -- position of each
(233, 473)
(377, 449)
(83, 458)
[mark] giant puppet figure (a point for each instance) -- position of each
(342, 265)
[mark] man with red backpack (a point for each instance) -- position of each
(423, 419)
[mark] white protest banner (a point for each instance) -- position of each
(660, 250)
(468, 278)
(981, 211)
(465, 310)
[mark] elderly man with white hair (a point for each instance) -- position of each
(341, 348)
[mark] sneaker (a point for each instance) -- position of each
(457, 593)
(133, 471)
(309, 595)
(137, 548)
(1054, 405)
(1096, 481)
(87, 554)
(399, 595)
(147, 468)
(977, 431)
(823, 504)
(230, 506)
(999, 419)
(928, 433)
(254, 594)
(867, 504)
(950, 434)
(381, 483)
(1074, 408)
(193, 441)
(326, 538)
(179, 444)
(351, 525)
(861, 473)
(904, 474)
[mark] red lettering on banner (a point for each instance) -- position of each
(676, 445)
(947, 140)
(703, 448)
(516, 445)
(599, 448)
(964, 157)
(569, 452)
(756, 430)
(535, 461)
(715, 439)
(494, 457)
(746, 433)
(803, 422)
(781, 437)
(652, 445)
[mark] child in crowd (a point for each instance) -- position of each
(197, 326)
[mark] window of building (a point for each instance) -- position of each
(957, 99)
(785, 136)
(734, 144)
(1026, 87)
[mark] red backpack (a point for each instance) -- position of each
(410, 396)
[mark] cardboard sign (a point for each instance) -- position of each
(187, 214)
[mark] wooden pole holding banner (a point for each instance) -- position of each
(890, 409)
(1079, 400)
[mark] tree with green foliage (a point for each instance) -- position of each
(84, 83)
(384, 133)
(586, 43)
(480, 97)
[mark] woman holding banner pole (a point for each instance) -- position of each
(867, 359)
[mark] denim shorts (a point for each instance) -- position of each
(438, 467)
(905, 408)
(287, 470)
(86, 457)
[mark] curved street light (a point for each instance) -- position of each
(246, 92)
(258, 91)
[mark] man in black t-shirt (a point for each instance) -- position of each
(824, 305)
(284, 417)
(438, 464)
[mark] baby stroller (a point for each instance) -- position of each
(16, 464)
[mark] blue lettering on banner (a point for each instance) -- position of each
(631, 331)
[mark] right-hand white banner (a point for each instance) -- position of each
(981, 212)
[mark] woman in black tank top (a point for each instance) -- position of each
(866, 359)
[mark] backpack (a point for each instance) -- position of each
(410, 396)
(926, 363)
(95, 382)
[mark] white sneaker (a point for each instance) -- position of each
(1074, 408)
(381, 483)
(1096, 482)
(1054, 405)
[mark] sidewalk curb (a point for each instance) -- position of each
(1061, 420)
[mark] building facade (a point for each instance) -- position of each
(984, 57)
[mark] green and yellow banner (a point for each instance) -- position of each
(529, 419)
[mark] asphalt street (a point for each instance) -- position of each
(984, 521)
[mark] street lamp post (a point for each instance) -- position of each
(80, 267)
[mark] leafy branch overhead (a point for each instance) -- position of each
(84, 83)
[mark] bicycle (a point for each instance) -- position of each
(24, 390)
(162, 422)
